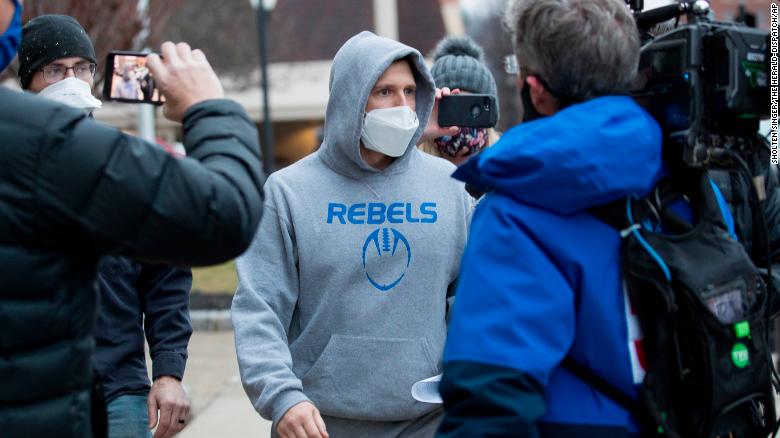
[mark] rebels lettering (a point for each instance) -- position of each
(375, 213)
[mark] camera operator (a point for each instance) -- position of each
(540, 278)
(72, 190)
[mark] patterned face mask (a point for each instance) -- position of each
(473, 139)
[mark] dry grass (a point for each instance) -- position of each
(215, 279)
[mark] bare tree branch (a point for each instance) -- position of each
(111, 24)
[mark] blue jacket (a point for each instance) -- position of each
(540, 277)
(136, 298)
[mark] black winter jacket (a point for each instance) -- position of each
(138, 298)
(71, 190)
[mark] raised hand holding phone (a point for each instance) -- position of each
(184, 77)
(433, 129)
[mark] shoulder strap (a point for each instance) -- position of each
(612, 214)
(654, 204)
(602, 386)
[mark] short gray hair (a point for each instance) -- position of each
(582, 48)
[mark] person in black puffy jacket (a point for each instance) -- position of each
(73, 190)
(58, 61)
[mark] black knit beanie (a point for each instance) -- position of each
(48, 38)
(458, 63)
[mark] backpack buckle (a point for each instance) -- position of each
(626, 231)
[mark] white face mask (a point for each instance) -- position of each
(389, 130)
(72, 92)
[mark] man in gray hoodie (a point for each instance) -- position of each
(342, 298)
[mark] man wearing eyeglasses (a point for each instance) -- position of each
(73, 67)
(58, 62)
(60, 69)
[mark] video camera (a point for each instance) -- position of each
(705, 82)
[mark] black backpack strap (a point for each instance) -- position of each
(647, 421)
(612, 214)
(602, 386)
(653, 205)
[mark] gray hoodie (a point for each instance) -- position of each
(342, 296)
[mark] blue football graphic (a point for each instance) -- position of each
(386, 257)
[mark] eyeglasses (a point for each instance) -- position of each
(56, 72)
(511, 66)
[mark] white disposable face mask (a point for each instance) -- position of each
(72, 92)
(389, 130)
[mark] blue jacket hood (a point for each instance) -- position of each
(585, 155)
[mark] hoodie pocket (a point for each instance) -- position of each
(367, 378)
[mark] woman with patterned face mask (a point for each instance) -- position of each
(459, 65)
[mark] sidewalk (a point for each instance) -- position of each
(219, 405)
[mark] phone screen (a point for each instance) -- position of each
(130, 80)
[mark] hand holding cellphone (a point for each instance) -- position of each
(128, 79)
(468, 110)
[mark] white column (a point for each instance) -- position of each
(146, 128)
(452, 17)
(386, 18)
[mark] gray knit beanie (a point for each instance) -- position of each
(458, 63)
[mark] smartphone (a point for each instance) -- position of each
(469, 110)
(128, 79)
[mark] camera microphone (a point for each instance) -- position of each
(648, 19)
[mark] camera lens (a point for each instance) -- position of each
(486, 104)
(475, 111)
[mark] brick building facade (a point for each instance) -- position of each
(728, 10)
